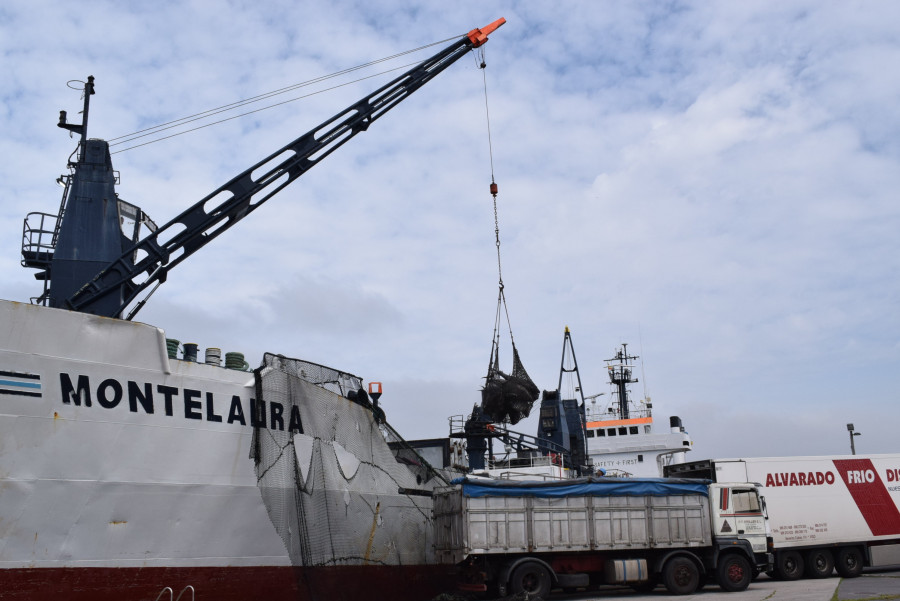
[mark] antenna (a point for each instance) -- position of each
(80, 128)
(641, 345)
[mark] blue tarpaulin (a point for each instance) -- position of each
(598, 487)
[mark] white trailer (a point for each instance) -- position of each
(830, 512)
(516, 537)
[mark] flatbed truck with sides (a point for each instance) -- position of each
(514, 537)
(824, 512)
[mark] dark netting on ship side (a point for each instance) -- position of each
(508, 398)
(332, 487)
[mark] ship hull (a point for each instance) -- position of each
(124, 472)
(273, 583)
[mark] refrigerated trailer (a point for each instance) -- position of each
(825, 513)
(514, 537)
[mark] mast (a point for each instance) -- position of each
(620, 376)
(567, 346)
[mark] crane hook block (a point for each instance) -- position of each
(494, 188)
(479, 36)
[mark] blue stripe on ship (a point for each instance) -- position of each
(19, 384)
(13, 387)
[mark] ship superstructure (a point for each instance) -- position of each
(621, 438)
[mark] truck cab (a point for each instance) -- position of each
(738, 516)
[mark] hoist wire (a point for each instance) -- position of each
(501, 297)
(487, 112)
(283, 90)
(161, 129)
(235, 105)
(495, 343)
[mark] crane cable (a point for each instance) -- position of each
(183, 121)
(506, 397)
(501, 297)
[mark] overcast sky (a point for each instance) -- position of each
(714, 183)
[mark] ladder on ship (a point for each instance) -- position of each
(169, 590)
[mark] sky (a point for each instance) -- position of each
(713, 183)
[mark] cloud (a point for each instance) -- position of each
(714, 183)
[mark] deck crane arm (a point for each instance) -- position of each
(190, 231)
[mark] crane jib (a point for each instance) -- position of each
(198, 225)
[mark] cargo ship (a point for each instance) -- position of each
(133, 467)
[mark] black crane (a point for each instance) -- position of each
(92, 266)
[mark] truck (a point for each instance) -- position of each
(513, 537)
(825, 513)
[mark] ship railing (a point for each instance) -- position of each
(39, 234)
(529, 459)
(597, 414)
(511, 475)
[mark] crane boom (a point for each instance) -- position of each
(148, 261)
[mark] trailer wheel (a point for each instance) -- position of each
(681, 576)
(789, 565)
(532, 578)
(819, 563)
(849, 562)
(734, 573)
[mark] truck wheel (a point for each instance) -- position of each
(734, 573)
(681, 576)
(849, 562)
(789, 565)
(532, 578)
(819, 563)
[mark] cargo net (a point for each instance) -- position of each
(331, 485)
(507, 398)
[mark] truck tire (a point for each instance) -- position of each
(788, 565)
(819, 563)
(734, 573)
(532, 578)
(849, 562)
(681, 576)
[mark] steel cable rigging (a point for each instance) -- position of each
(183, 121)
(506, 397)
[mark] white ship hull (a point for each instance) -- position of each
(123, 472)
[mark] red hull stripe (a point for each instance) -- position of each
(348, 583)
(870, 495)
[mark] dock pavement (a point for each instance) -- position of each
(873, 585)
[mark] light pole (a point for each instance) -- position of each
(852, 434)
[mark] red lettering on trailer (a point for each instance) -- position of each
(870, 495)
(802, 479)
